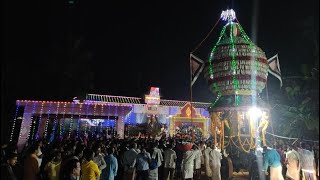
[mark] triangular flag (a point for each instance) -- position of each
(274, 67)
(196, 66)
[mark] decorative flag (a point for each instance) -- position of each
(196, 66)
(274, 67)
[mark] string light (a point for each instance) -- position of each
(95, 121)
(40, 121)
(31, 132)
(55, 120)
(20, 134)
(228, 15)
(63, 116)
(214, 50)
(14, 121)
(122, 119)
(71, 119)
(101, 114)
(233, 63)
(87, 113)
(47, 122)
(78, 125)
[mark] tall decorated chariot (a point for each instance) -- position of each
(236, 73)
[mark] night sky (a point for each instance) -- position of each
(56, 50)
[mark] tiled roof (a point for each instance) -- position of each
(113, 99)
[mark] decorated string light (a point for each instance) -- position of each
(14, 121)
(22, 122)
(87, 115)
(101, 114)
(122, 117)
(95, 121)
(79, 120)
(32, 124)
(213, 51)
(40, 120)
(55, 120)
(47, 121)
(71, 120)
(63, 120)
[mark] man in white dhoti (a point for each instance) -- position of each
(208, 170)
(272, 158)
(293, 165)
(215, 163)
(197, 162)
(188, 164)
(307, 162)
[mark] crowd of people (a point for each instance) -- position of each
(147, 158)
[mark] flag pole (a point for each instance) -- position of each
(267, 96)
(192, 133)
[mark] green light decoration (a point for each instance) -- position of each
(219, 94)
(214, 49)
(234, 64)
(253, 49)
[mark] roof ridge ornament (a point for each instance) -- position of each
(228, 15)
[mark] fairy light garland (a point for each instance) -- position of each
(122, 117)
(71, 120)
(101, 114)
(14, 121)
(234, 65)
(78, 124)
(95, 122)
(214, 50)
(55, 121)
(40, 121)
(26, 106)
(32, 122)
(87, 114)
(63, 116)
(47, 121)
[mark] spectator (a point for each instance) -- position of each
(31, 165)
(129, 159)
(170, 158)
(197, 162)
(208, 169)
(7, 167)
(215, 163)
(52, 168)
(99, 159)
(90, 170)
(272, 159)
(73, 169)
(142, 164)
(112, 165)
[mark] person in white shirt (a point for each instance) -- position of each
(293, 165)
(307, 162)
(170, 157)
(197, 162)
(215, 163)
(155, 154)
(129, 161)
(188, 164)
(208, 170)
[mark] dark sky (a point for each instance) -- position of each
(55, 50)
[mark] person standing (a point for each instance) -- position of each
(207, 151)
(157, 155)
(293, 165)
(112, 165)
(215, 163)
(142, 164)
(188, 164)
(170, 157)
(52, 168)
(99, 159)
(90, 170)
(307, 162)
(31, 165)
(197, 162)
(73, 169)
(272, 158)
(7, 167)
(129, 160)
